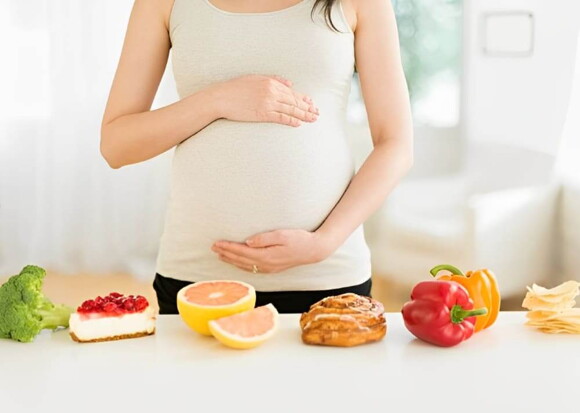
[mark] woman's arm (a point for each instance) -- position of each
(386, 99)
(132, 133)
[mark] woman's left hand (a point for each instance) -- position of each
(275, 251)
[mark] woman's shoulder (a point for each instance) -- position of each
(154, 9)
(356, 10)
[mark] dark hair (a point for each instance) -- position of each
(327, 10)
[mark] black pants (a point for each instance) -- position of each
(284, 301)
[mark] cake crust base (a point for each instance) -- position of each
(112, 338)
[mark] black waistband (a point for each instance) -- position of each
(284, 301)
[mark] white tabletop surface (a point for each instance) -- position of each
(507, 367)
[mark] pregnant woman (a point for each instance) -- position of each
(263, 186)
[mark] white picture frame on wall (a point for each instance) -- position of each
(508, 34)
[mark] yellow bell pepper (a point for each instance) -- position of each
(482, 287)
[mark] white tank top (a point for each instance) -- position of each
(235, 179)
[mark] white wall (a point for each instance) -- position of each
(519, 100)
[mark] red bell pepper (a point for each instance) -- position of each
(441, 313)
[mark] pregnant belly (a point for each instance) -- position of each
(234, 179)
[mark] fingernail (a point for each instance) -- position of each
(249, 241)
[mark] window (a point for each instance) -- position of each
(430, 39)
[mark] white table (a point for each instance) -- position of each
(508, 366)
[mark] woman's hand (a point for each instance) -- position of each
(275, 251)
(257, 98)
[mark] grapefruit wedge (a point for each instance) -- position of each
(248, 329)
(204, 301)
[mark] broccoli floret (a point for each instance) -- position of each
(24, 309)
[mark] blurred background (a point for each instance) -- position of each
(495, 88)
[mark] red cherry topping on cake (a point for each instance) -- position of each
(129, 304)
(141, 303)
(109, 307)
(114, 304)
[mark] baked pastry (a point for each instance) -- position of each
(344, 320)
(113, 317)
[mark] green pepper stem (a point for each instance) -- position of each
(450, 268)
(458, 314)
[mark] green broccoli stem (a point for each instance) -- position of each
(54, 316)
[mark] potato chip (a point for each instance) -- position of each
(572, 327)
(532, 303)
(550, 330)
(560, 328)
(552, 300)
(552, 310)
(570, 315)
(559, 290)
(540, 315)
(548, 323)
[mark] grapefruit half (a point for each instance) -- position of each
(204, 301)
(248, 329)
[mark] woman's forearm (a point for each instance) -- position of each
(137, 137)
(389, 161)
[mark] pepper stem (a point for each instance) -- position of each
(458, 314)
(450, 268)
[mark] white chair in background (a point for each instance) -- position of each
(498, 211)
(472, 220)
(568, 170)
(569, 232)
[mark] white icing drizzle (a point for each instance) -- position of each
(343, 317)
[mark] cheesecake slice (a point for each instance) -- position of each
(113, 317)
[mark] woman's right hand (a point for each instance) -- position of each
(259, 98)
